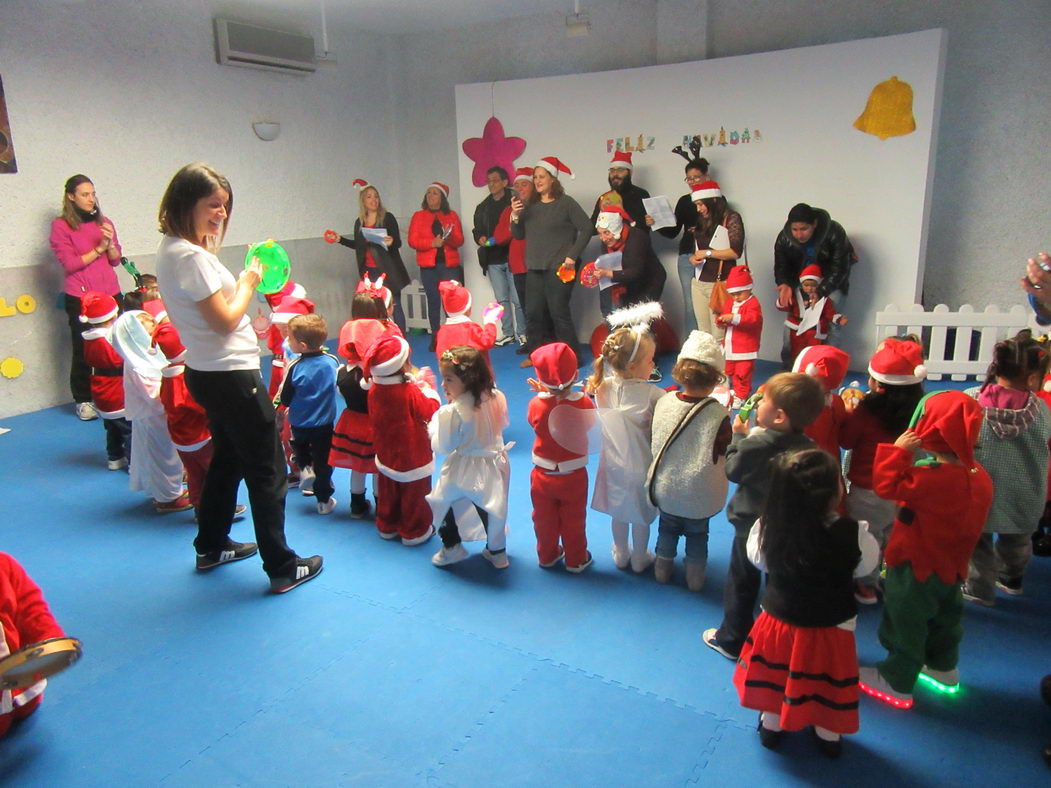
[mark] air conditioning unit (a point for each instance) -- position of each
(251, 46)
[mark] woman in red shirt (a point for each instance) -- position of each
(436, 235)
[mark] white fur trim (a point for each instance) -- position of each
(282, 317)
(411, 475)
(173, 371)
(704, 194)
(566, 466)
(392, 365)
(919, 374)
(456, 319)
(740, 288)
(101, 318)
(193, 446)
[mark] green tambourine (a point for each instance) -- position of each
(276, 267)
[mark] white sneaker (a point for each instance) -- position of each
(498, 560)
(871, 682)
(620, 557)
(640, 562)
(118, 464)
(306, 481)
(506, 339)
(419, 539)
(450, 555)
(86, 411)
(950, 678)
(326, 507)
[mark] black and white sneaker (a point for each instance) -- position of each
(305, 569)
(234, 551)
(655, 375)
(504, 340)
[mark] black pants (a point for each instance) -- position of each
(547, 298)
(118, 438)
(740, 595)
(246, 446)
(312, 445)
(431, 278)
(450, 534)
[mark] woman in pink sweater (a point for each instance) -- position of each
(86, 246)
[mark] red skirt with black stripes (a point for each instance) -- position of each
(807, 675)
(352, 443)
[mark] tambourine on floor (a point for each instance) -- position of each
(38, 661)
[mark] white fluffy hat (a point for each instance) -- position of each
(703, 347)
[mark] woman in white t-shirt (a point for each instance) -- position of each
(207, 306)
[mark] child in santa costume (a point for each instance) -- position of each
(687, 478)
(107, 375)
(24, 619)
(1013, 448)
(275, 337)
(475, 473)
(459, 329)
(626, 401)
(810, 315)
(743, 318)
(401, 404)
(829, 365)
(285, 309)
(799, 666)
(896, 375)
(562, 418)
(155, 465)
(352, 437)
(943, 503)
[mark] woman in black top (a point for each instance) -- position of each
(685, 220)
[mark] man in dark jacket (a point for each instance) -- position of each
(811, 236)
(493, 258)
(623, 192)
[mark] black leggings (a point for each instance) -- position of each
(450, 534)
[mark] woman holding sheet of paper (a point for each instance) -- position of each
(376, 242)
(719, 235)
(436, 235)
(634, 273)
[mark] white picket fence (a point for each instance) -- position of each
(991, 325)
(414, 304)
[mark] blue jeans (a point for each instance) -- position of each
(431, 278)
(687, 271)
(503, 282)
(672, 526)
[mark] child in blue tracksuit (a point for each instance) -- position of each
(309, 391)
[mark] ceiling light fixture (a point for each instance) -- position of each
(578, 23)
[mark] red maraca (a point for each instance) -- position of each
(331, 236)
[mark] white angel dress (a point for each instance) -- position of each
(625, 409)
(475, 471)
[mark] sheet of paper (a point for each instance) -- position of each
(811, 315)
(720, 239)
(661, 210)
(374, 235)
(447, 231)
(611, 262)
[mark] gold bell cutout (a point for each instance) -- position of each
(888, 112)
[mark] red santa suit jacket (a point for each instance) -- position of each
(515, 246)
(187, 421)
(24, 619)
(461, 330)
(421, 237)
(826, 427)
(794, 315)
(107, 373)
(548, 453)
(399, 410)
(275, 343)
(942, 511)
(741, 342)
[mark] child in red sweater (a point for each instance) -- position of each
(459, 329)
(107, 375)
(896, 375)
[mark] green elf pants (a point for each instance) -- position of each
(921, 625)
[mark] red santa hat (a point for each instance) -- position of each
(524, 174)
(97, 307)
(554, 165)
(375, 289)
(166, 339)
(621, 159)
(290, 289)
(360, 183)
(949, 421)
(898, 363)
(456, 299)
(289, 307)
(826, 363)
(702, 191)
(812, 271)
(155, 308)
(387, 356)
(613, 218)
(440, 187)
(357, 337)
(556, 365)
(739, 279)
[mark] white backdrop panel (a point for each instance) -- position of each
(802, 101)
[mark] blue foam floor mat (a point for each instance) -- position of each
(388, 672)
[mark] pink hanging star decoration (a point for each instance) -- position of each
(492, 149)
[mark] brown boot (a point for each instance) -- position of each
(695, 574)
(663, 569)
